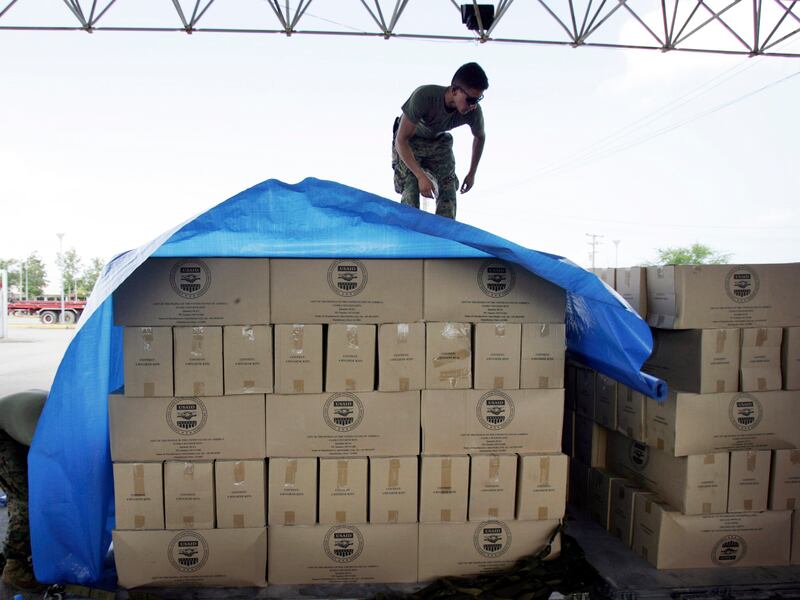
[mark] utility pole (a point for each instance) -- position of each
(595, 237)
(616, 253)
(61, 266)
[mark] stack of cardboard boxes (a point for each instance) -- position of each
(710, 476)
(375, 420)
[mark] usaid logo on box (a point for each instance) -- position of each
(343, 411)
(343, 544)
(186, 416)
(190, 279)
(729, 550)
(347, 277)
(188, 551)
(492, 538)
(495, 410)
(638, 455)
(745, 411)
(496, 279)
(741, 284)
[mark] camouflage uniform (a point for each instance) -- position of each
(14, 481)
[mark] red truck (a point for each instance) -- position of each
(48, 310)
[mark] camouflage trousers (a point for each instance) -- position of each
(436, 157)
(14, 481)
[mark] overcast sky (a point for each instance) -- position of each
(112, 138)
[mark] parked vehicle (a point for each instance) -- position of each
(48, 310)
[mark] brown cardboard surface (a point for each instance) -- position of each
(194, 558)
(631, 283)
(605, 401)
(607, 275)
(393, 483)
(342, 490)
(138, 496)
(493, 422)
(591, 440)
(350, 358)
(152, 429)
(448, 356)
(240, 488)
(343, 554)
(695, 484)
(497, 356)
(623, 497)
(489, 290)
(292, 491)
(189, 495)
(542, 361)
(631, 412)
(444, 489)
(198, 361)
(599, 492)
(714, 296)
(247, 359)
(298, 359)
(343, 424)
(696, 360)
(790, 358)
(346, 291)
(698, 423)
(194, 291)
(492, 486)
(669, 540)
(147, 356)
(748, 489)
(760, 369)
(401, 357)
(456, 549)
(542, 486)
(586, 388)
(784, 493)
(795, 551)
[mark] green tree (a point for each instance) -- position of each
(12, 266)
(696, 254)
(70, 265)
(37, 275)
(90, 276)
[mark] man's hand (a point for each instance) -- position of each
(425, 185)
(469, 181)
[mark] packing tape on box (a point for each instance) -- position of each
(706, 508)
(188, 521)
(149, 389)
(762, 335)
(249, 333)
(544, 330)
(791, 503)
(351, 331)
(499, 329)
(341, 516)
(188, 471)
(452, 331)
(138, 480)
(446, 475)
(794, 457)
(147, 338)
(747, 504)
(288, 517)
(393, 516)
(198, 334)
(494, 469)
(139, 522)
(290, 474)
(762, 384)
(341, 473)
(248, 385)
(499, 382)
(453, 376)
(349, 385)
(543, 513)
(493, 512)
(722, 337)
(394, 473)
(238, 521)
(444, 515)
(751, 460)
(709, 459)
(199, 388)
(403, 384)
(544, 470)
(720, 386)
(626, 275)
(544, 382)
(239, 473)
(402, 333)
(299, 386)
(297, 334)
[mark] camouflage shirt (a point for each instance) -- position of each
(426, 109)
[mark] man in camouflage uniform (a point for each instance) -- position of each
(19, 414)
(422, 150)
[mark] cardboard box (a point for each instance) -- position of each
(350, 358)
(147, 356)
(247, 359)
(795, 551)
(670, 540)
(343, 424)
(543, 349)
(444, 489)
(292, 491)
(703, 361)
(749, 480)
(193, 558)
(591, 440)
(346, 291)
(790, 358)
(784, 490)
(607, 275)
(492, 486)
(241, 493)
(623, 498)
(458, 549)
(694, 485)
(139, 495)
(586, 389)
(605, 401)
(695, 424)
(342, 490)
(599, 492)
(343, 554)
(568, 433)
(493, 422)
(194, 291)
(497, 356)
(154, 429)
(393, 483)
(189, 495)
(714, 296)
(631, 284)
(401, 357)
(760, 369)
(489, 290)
(448, 356)
(578, 490)
(298, 359)
(198, 361)
(570, 385)
(542, 486)
(631, 412)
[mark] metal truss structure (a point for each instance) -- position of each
(743, 27)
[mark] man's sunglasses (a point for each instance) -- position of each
(471, 100)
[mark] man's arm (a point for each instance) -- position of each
(404, 134)
(477, 150)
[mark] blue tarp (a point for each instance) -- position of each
(71, 487)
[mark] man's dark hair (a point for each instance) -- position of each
(471, 75)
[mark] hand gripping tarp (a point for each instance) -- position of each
(71, 487)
